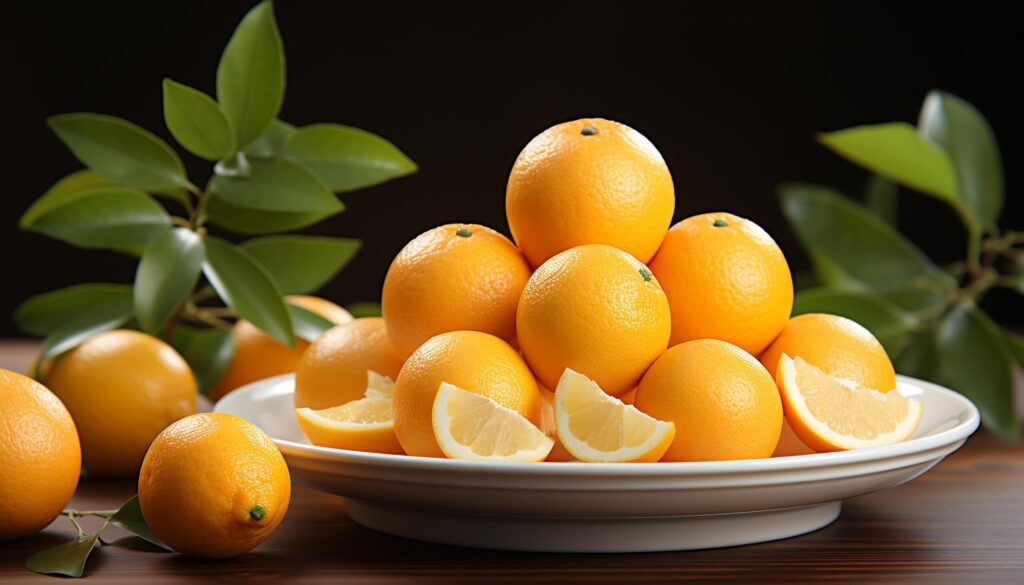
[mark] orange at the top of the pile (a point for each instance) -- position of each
(589, 181)
(837, 346)
(333, 370)
(451, 278)
(597, 310)
(40, 457)
(726, 279)
(258, 355)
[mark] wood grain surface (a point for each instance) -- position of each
(962, 522)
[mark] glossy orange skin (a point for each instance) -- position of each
(476, 362)
(259, 356)
(442, 281)
(724, 403)
(333, 369)
(122, 388)
(201, 480)
(730, 282)
(591, 309)
(837, 346)
(40, 457)
(589, 181)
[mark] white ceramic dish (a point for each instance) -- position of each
(585, 507)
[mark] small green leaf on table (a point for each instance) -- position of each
(129, 518)
(364, 309)
(271, 142)
(886, 321)
(244, 220)
(104, 217)
(121, 151)
(347, 158)
(277, 185)
(197, 122)
(66, 559)
(307, 324)
(302, 264)
(246, 287)
(47, 312)
(251, 77)
(60, 192)
(168, 271)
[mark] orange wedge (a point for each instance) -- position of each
(474, 427)
(359, 425)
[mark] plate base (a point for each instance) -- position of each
(592, 535)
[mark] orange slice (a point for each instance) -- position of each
(474, 427)
(359, 425)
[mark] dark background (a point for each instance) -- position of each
(731, 94)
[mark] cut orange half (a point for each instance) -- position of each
(596, 427)
(359, 425)
(833, 414)
(474, 427)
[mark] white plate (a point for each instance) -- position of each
(588, 507)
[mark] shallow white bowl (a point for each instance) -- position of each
(588, 507)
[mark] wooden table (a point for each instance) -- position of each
(962, 522)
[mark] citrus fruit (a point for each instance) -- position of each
(258, 355)
(333, 370)
(724, 403)
(597, 310)
(452, 278)
(474, 427)
(725, 279)
(359, 425)
(122, 388)
(40, 457)
(213, 485)
(477, 362)
(549, 427)
(589, 181)
(833, 414)
(595, 427)
(838, 346)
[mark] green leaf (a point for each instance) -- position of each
(920, 358)
(962, 132)
(364, 309)
(272, 141)
(896, 151)
(246, 287)
(104, 217)
(862, 246)
(121, 151)
(302, 264)
(207, 351)
(347, 158)
(95, 319)
(975, 361)
(881, 197)
(277, 185)
(129, 518)
(243, 220)
(197, 122)
(307, 324)
(57, 195)
(66, 559)
(250, 77)
(169, 269)
(886, 321)
(47, 312)
(1015, 343)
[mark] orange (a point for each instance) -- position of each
(258, 355)
(725, 279)
(213, 485)
(122, 388)
(333, 370)
(476, 362)
(597, 310)
(723, 402)
(589, 181)
(838, 346)
(456, 277)
(40, 457)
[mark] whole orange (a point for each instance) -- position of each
(597, 310)
(40, 458)
(476, 362)
(258, 355)
(122, 388)
(452, 278)
(333, 369)
(589, 181)
(837, 346)
(213, 485)
(724, 403)
(726, 279)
